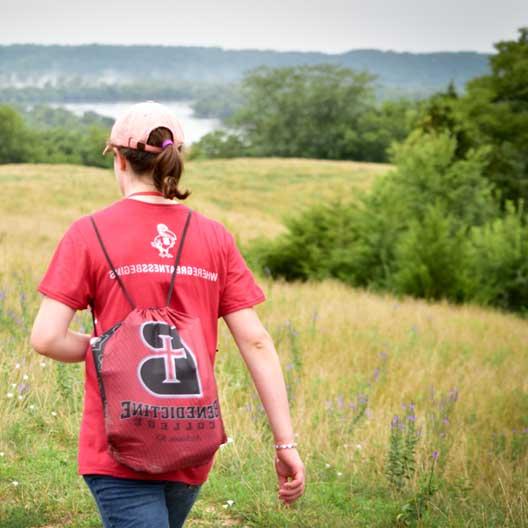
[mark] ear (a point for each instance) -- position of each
(121, 160)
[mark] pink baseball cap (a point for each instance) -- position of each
(132, 129)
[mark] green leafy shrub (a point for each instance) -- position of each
(306, 251)
(430, 256)
(498, 261)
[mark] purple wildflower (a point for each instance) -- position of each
(23, 388)
(362, 399)
(13, 315)
(22, 296)
(435, 454)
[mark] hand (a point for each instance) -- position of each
(288, 463)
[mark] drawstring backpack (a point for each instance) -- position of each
(157, 385)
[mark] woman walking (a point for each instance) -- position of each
(129, 254)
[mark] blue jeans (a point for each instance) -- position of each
(131, 503)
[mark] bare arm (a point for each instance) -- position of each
(51, 336)
(257, 349)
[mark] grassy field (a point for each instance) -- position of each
(455, 376)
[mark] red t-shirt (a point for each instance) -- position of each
(142, 239)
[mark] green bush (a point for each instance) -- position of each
(498, 261)
(430, 256)
(306, 251)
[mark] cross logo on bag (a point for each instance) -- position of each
(171, 370)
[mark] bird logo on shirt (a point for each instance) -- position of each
(164, 241)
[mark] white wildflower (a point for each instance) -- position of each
(15, 483)
(17, 366)
(2, 453)
(21, 397)
(42, 363)
(359, 446)
(25, 377)
(53, 413)
(229, 441)
(31, 407)
(10, 394)
(339, 474)
(327, 465)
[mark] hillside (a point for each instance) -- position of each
(250, 196)
(352, 361)
(411, 72)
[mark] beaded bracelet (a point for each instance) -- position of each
(286, 446)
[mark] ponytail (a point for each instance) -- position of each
(167, 170)
(166, 167)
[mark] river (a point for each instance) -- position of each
(193, 127)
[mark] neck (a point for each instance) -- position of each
(137, 186)
(133, 185)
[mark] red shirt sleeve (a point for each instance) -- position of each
(67, 277)
(240, 289)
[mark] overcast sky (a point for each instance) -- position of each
(331, 26)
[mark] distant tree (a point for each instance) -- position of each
(218, 144)
(306, 111)
(496, 111)
(441, 113)
(91, 145)
(382, 125)
(14, 137)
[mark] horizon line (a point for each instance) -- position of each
(262, 50)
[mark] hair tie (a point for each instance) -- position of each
(166, 143)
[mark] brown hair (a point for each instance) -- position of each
(166, 166)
